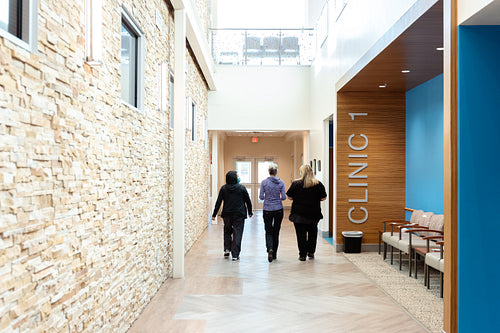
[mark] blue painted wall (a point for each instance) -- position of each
(478, 178)
(424, 147)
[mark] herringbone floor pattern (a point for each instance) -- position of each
(327, 294)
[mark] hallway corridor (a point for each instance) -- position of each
(327, 294)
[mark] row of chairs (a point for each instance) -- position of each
(271, 46)
(422, 235)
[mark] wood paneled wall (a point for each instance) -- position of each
(377, 121)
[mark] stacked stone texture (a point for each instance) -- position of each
(86, 180)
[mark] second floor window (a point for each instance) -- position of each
(18, 22)
(129, 64)
(132, 61)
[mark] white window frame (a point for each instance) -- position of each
(30, 42)
(132, 23)
(171, 83)
(93, 32)
(194, 111)
(163, 87)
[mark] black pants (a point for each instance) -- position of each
(307, 234)
(272, 223)
(233, 232)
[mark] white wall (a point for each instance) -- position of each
(479, 12)
(361, 24)
(260, 98)
(467, 8)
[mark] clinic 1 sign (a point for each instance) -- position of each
(358, 180)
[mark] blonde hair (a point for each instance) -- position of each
(307, 176)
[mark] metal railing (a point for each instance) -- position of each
(272, 47)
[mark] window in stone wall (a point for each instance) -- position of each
(162, 87)
(188, 114)
(171, 100)
(204, 131)
(132, 61)
(193, 120)
(18, 22)
(93, 32)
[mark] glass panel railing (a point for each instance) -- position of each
(263, 46)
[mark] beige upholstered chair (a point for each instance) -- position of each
(435, 259)
(409, 236)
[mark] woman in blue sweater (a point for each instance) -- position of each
(306, 194)
(272, 191)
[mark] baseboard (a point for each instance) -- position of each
(326, 234)
(364, 247)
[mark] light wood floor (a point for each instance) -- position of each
(327, 294)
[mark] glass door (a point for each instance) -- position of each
(244, 170)
(252, 171)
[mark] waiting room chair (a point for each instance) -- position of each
(435, 259)
(252, 49)
(290, 48)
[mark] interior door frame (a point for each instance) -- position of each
(255, 184)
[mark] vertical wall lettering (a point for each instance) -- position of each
(360, 162)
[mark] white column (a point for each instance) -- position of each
(215, 170)
(305, 148)
(179, 138)
(325, 174)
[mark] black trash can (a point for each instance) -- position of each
(352, 241)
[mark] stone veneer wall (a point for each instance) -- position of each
(202, 7)
(197, 158)
(85, 180)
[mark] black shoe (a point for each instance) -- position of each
(310, 255)
(236, 258)
(302, 258)
(270, 255)
(227, 253)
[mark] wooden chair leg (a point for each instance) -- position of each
(399, 259)
(441, 284)
(379, 238)
(425, 274)
(410, 263)
(416, 262)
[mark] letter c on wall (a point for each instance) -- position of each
(358, 221)
(358, 148)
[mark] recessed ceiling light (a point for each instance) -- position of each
(383, 85)
(405, 71)
(439, 48)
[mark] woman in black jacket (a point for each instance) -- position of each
(234, 213)
(306, 194)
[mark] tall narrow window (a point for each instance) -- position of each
(162, 87)
(129, 65)
(171, 100)
(18, 22)
(93, 32)
(193, 121)
(132, 61)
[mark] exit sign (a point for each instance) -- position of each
(254, 140)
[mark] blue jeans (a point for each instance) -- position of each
(272, 224)
(233, 232)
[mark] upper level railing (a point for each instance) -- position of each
(263, 46)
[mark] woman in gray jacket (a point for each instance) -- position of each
(272, 191)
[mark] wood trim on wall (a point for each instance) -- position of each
(376, 120)
(450, 130)
(330, 190)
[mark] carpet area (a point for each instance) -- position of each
(423, 304)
